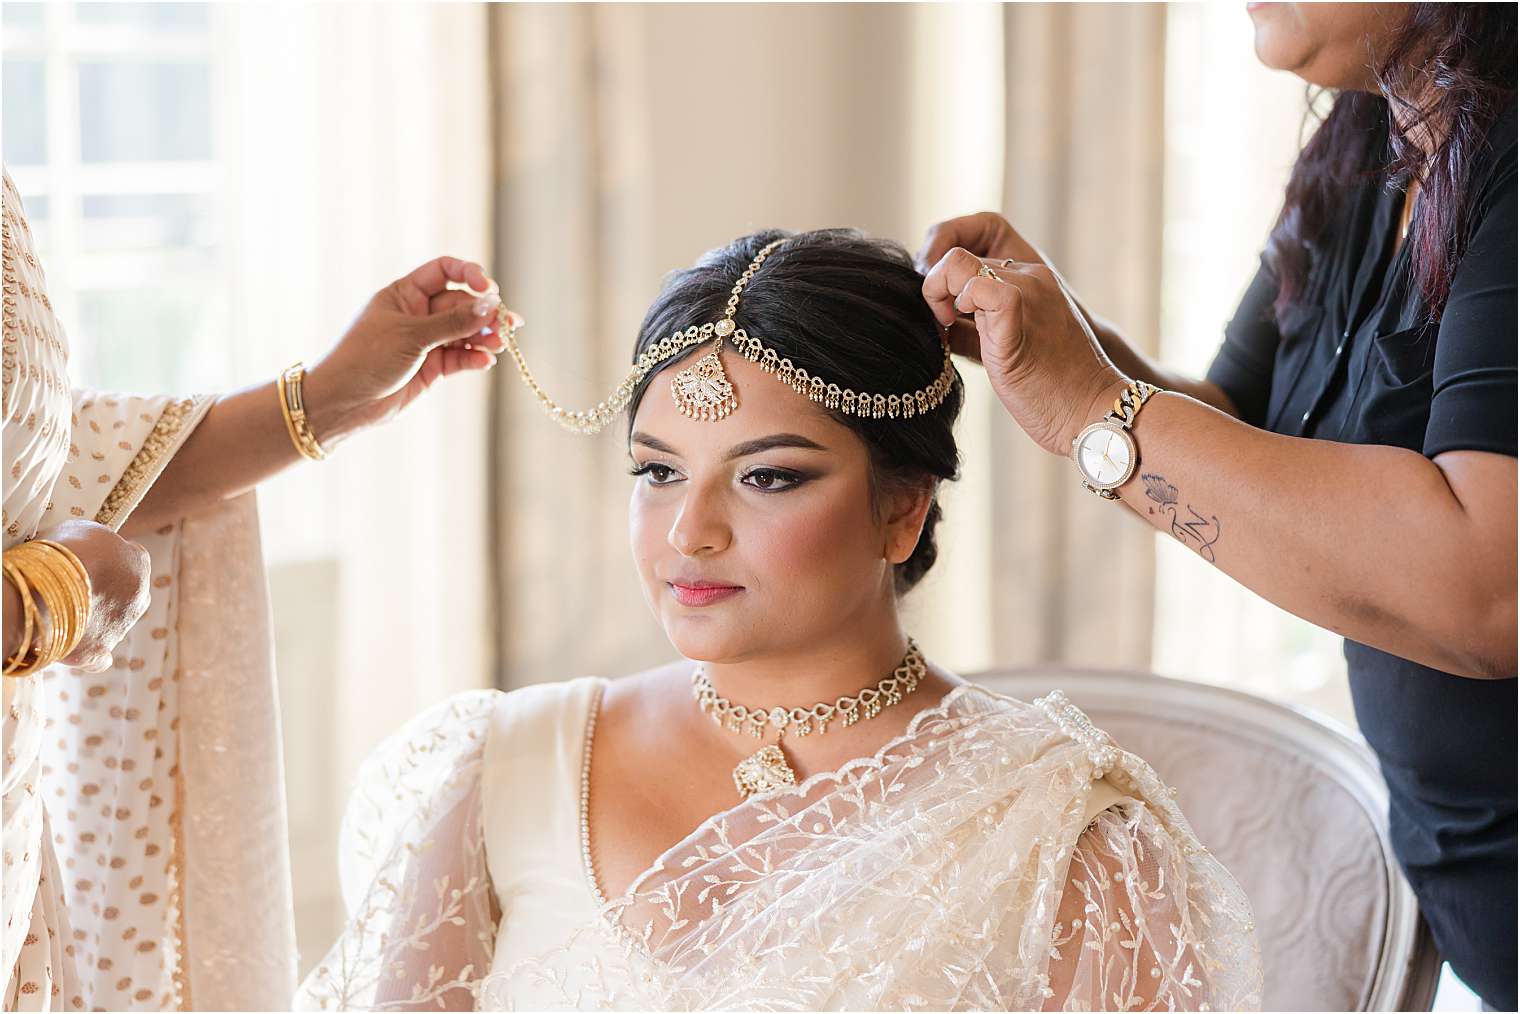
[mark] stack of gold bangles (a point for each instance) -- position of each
(46, 572)
(294, 409)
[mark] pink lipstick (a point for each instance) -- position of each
(702, 593)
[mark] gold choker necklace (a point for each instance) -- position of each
(767, 768)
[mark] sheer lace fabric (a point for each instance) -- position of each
(422, 923)
(961, 867)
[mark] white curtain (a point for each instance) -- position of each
(357, 141)
(1225, 178)
(1084, 183)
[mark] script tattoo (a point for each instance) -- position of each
(1202, 533)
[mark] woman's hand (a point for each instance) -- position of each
(413, 332)
(118, 572)
(1039, 351)
(986, 234)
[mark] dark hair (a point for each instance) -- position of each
(1448, 70)
(850, 309)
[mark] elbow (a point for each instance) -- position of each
(1484, 644)
(1496, 657)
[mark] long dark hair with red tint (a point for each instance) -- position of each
(1448, 72)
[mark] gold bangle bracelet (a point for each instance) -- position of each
(55, 577)
(54, 595)
(50, 617)
(17, 664)
(293, 407)
(76, 579)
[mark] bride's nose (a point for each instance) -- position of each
(701, 526)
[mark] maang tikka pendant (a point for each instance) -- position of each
(702, 390)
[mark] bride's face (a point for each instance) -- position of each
(756, 533)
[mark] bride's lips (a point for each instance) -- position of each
(702, 593)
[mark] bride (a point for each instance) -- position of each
(805, 812)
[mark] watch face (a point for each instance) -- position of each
(1105, 456)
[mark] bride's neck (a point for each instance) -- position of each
(804, 675)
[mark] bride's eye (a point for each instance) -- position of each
(772, 480)
(659, 475)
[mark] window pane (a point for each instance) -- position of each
(25, 126)
(24, 16)
(170, 16)
(147, 222)
(144, 112)
(146, 339)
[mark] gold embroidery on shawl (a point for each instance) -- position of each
(11, 291)
(144, 467)
(179, 972)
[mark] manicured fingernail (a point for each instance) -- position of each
(485, 304)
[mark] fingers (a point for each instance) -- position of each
(445, 362)
(452, 360)
(974, 232)
(486, 337)
(423, 283)
(990, 295)
(946, 279)
(450, 299)
(434, 276)
(465, 319)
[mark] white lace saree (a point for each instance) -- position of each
(999, 855)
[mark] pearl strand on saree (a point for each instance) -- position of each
(144, 839)
(998, 855)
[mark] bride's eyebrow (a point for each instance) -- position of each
(744, 450)
(771, 442)
(653, 443)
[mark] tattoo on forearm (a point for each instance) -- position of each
(1199, 532)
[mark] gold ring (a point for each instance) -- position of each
(987, 272)
(1009, 262)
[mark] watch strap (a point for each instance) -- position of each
(1129, 403)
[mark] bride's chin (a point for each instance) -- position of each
(702, 638)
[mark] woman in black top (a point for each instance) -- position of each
(1351, 454)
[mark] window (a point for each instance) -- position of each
(109, 134)
(1232, 133)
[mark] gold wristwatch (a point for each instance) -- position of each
(1105, 453)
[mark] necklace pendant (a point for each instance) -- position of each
(762, 771)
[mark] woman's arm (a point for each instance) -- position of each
(408, 337)
(1413, 555)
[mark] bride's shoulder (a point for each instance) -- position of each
(539, 704)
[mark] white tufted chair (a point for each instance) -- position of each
(1295, 808)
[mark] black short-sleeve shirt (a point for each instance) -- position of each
(1357, 361)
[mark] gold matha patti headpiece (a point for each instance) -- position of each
(703, 390)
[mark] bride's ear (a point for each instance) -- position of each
(906, 509)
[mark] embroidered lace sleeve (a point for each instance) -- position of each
(1127, 936)
(421, 914)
